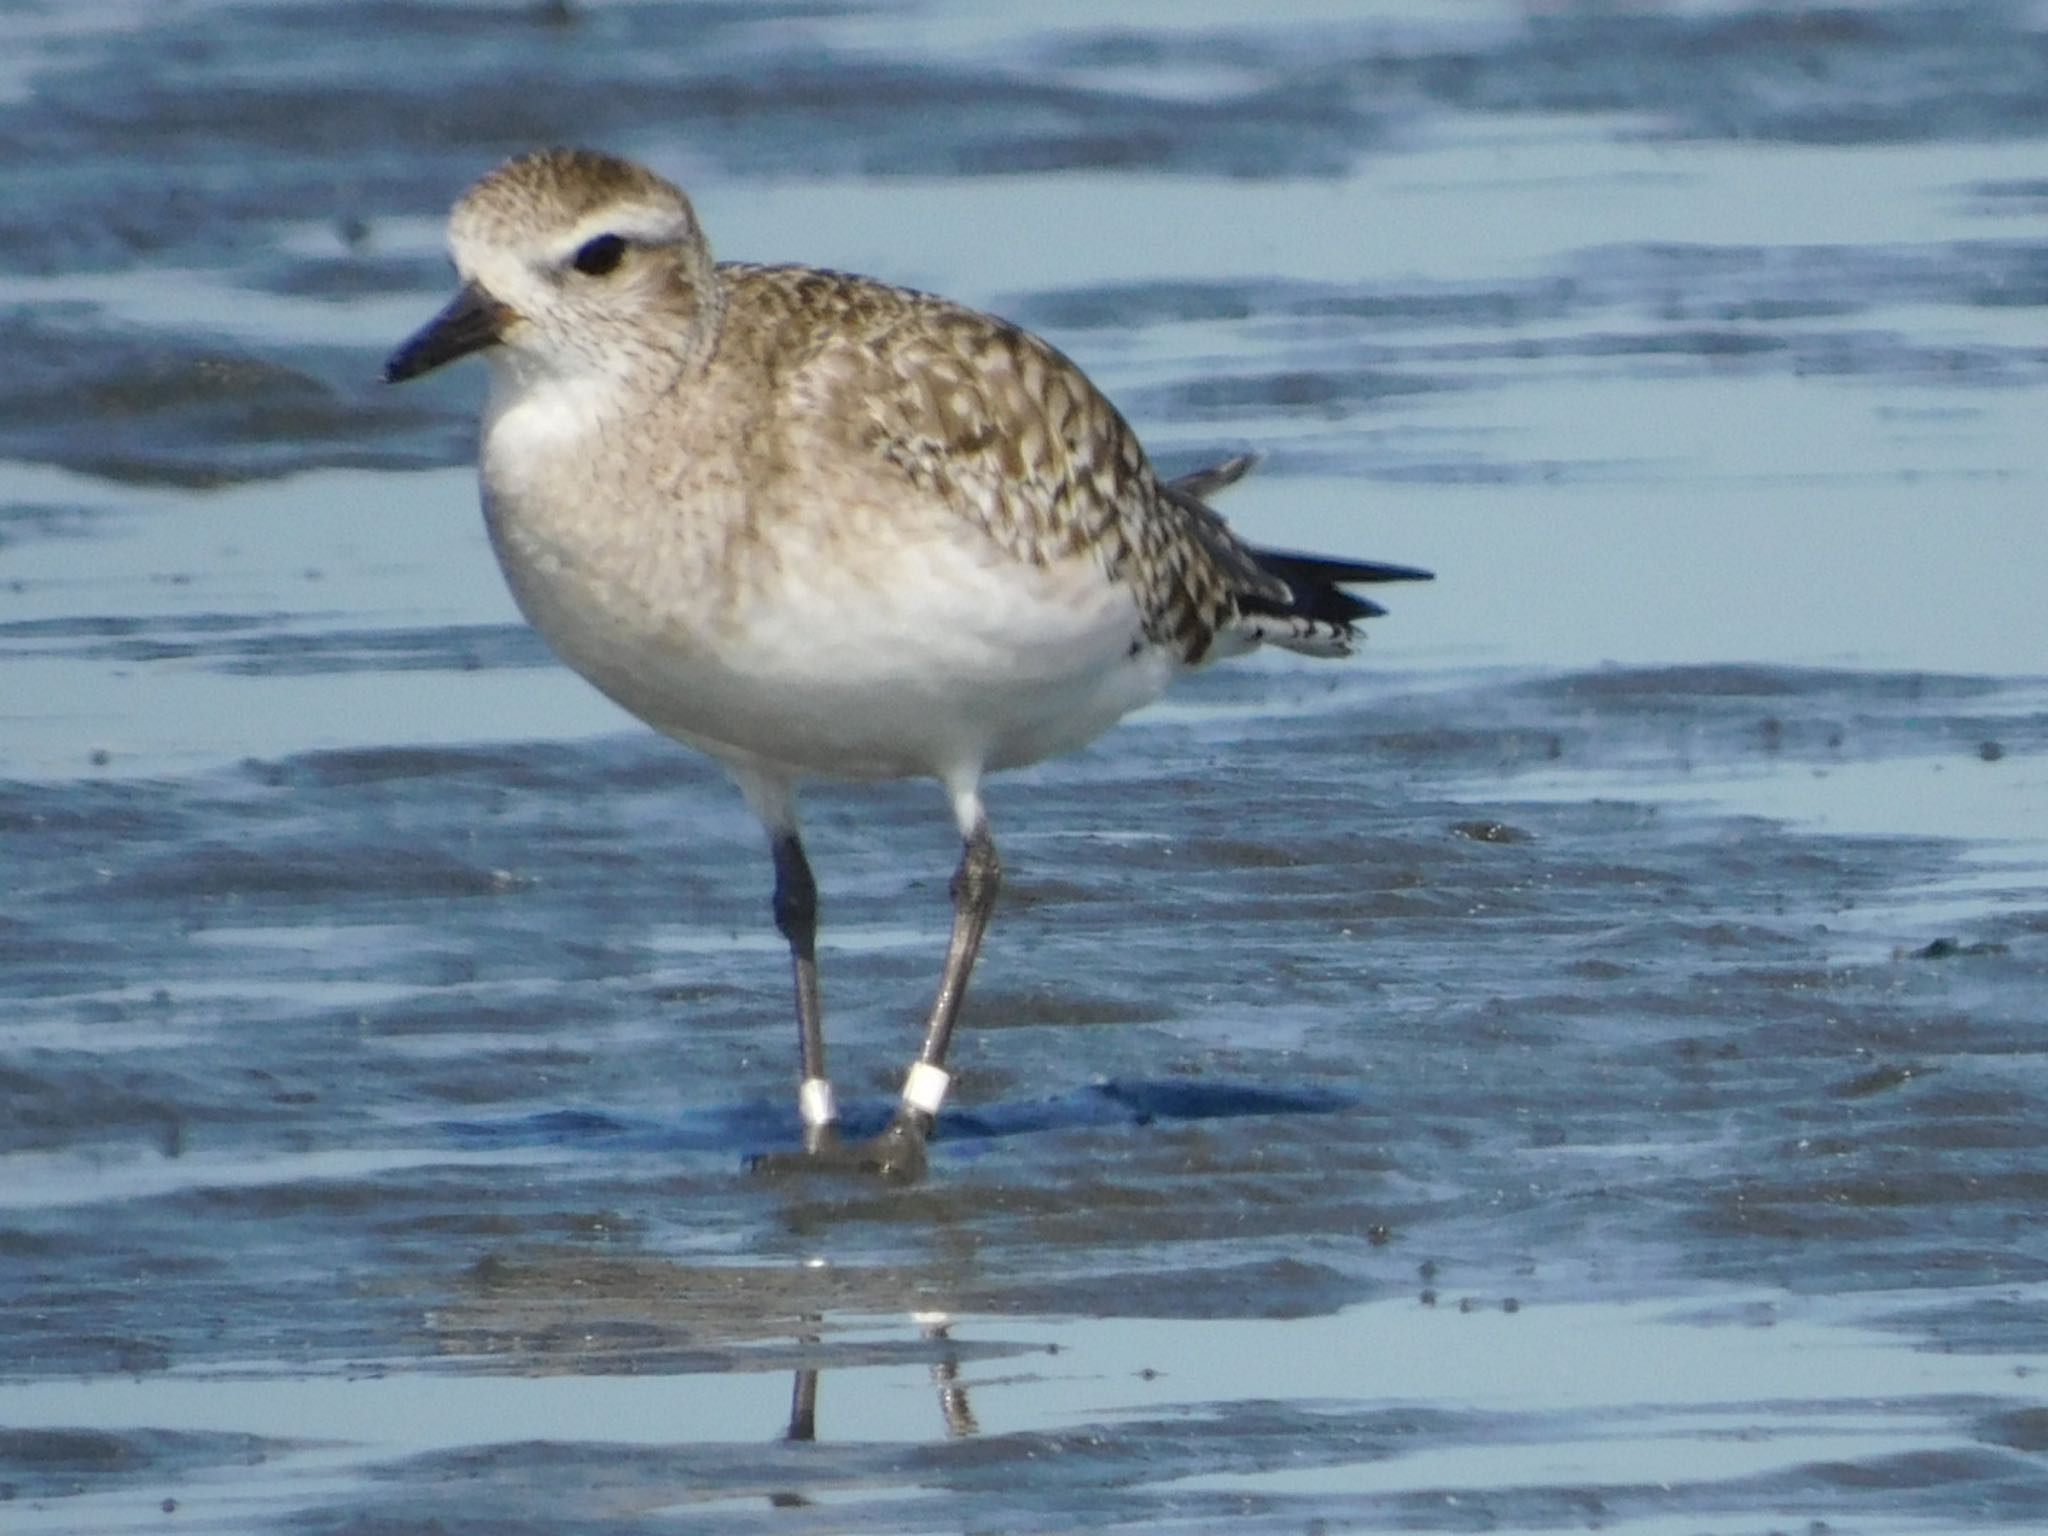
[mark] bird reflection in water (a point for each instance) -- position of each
(954, 1408)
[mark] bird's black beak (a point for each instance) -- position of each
(471, 321)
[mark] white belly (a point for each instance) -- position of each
(938, 659)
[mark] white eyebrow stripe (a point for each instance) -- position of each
(638, 226)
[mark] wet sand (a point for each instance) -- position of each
(1577, 1066)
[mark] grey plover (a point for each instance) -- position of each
(821, 527)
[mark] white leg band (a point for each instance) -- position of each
(925, 1087)
(814, 1102)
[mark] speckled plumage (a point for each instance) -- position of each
(821, 526)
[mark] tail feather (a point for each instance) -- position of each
(1291, 599)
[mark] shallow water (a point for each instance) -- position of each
(1579, 1066)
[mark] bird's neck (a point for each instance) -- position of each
(557, 405)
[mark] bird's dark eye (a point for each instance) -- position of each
(599, 255)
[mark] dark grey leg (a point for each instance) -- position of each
(796, 915)
(803, 1406)
(899, 1150)
(975, 885)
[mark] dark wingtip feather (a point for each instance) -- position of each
(1341, 572)
(1316, 585)
(1304, 593)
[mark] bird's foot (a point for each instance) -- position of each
(896, 1153)
(823, 1152)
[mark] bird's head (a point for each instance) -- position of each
(574, 265)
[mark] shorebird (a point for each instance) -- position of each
(817, 526)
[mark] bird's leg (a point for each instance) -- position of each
(796, 915)
(899, 1150)
(936, 1327)
(975, 884)
(803, 1406)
